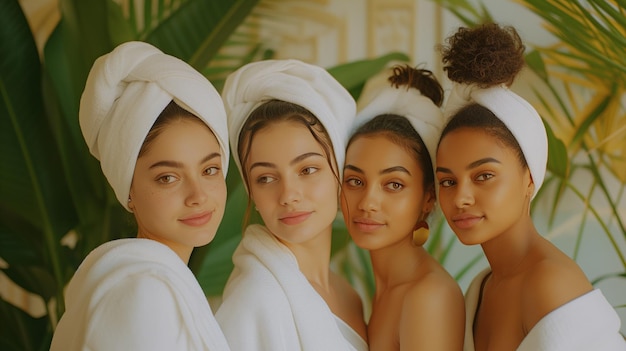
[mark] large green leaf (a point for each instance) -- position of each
(21, 332)
(34, 185)
(198, 28)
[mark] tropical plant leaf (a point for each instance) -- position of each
(21, 332)
(20, 241)
(205, 25)
(353, 75)
(558, 159)
(29, 162)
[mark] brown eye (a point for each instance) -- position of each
(309, 170)
(353, 182)
(484, 177)
(394, 186)
(213, 170)
(446, 183)
(166, 179)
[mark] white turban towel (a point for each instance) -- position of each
(126, 90)
(425, 117)
(306, 85)
(519, 116)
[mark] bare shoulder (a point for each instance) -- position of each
(550, 283)
(435, 304)
(434, 291)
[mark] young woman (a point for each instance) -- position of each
(158, 128)
(388, 193)
(491, 161)
(289, 123)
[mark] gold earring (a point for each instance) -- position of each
(420, 233)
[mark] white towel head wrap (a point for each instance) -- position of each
(306, 85)
(483, 62)
(519, 116)
(425, 117)
(126, 90)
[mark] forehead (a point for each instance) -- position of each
(283, 138)
(466, 145)
(181, 135)
(378, 151)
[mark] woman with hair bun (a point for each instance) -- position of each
(491, 161)
(388, 195)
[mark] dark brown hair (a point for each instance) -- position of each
(487, 55)
(172, 112)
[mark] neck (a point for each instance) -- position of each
(313, 258)
(508, 251)
(396, 264)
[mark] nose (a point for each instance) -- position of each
(370, 202)
(464, 196)
(196, 193)
(290, 192)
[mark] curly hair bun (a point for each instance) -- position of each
(486, 55)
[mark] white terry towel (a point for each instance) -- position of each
(126, 90)
(586, 323)
(519, 116)
(136, 294)
(425, 117)
(303, 84)
(270, 305)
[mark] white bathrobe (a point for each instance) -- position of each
(587, 323)
(268, 304)
(136, 294)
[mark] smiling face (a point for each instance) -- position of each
(383, 192)
(178, 192)
(291, 182)
(484, 191)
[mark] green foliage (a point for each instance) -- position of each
(53, 190)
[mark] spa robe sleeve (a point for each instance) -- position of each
(140, 313)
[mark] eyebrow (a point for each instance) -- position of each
(384, 171)
(474, 164)
(291, 163)
(176, 164)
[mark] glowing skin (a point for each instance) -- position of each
(417, 305)
(383, 195)
(483, 189)
(291, 183)
(485, 194)
(178, 193)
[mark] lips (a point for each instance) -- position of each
(367, 224)
(198, 219)
(466, 221)
(293, 218)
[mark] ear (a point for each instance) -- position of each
(430, 199)
(530, 186)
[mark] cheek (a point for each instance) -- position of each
(444, 200)
(348, 202)
(404, 207)
(219, 192)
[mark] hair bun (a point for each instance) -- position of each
(486, 55)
